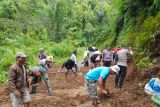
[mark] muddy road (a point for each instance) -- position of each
(74, 94)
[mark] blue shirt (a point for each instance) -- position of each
(95, 73)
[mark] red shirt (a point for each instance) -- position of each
(116, 50)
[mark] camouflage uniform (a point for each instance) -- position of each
(43, 76)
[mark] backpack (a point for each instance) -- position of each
(35, 71)
(116, 57)
(107, 54)
(116, 50)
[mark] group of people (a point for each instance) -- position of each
(111, 63)
(24, 81)
(107, 57)
(21, 78)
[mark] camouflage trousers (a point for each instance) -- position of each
(92, 88)
(47, 82)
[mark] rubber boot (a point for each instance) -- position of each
(34, 89)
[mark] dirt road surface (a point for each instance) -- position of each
(74, 94)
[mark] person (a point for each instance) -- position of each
(91, 52)
(74, 58)
(86, 58)
(36, 74)
(153, 88)
(99, 75)
(68, 66)
(45, 65)
(107, 57)
(18, 82)
(92, 49)
(95, 59)
(122, 63)
(115, 57)
(41, 55)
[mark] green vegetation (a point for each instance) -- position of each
(144, 62)
(138, 23)
(61, 26)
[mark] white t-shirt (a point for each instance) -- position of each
(122, 56)
(85, 54)
(74, 58)
(43, 61)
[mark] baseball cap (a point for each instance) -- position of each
(21, 54)
(115, 68)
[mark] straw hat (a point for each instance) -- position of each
(50, 58)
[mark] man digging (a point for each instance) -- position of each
(98, 76)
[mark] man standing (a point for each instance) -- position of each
(107, 57)
(74, 58)
(41, 55)
(86, 58)
(122, 63)
(99, 75)
(18, 82)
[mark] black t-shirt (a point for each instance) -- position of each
(69, 64)
(93, 58)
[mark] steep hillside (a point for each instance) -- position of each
(62, 26)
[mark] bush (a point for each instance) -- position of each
(27, 44)
(144, 62)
